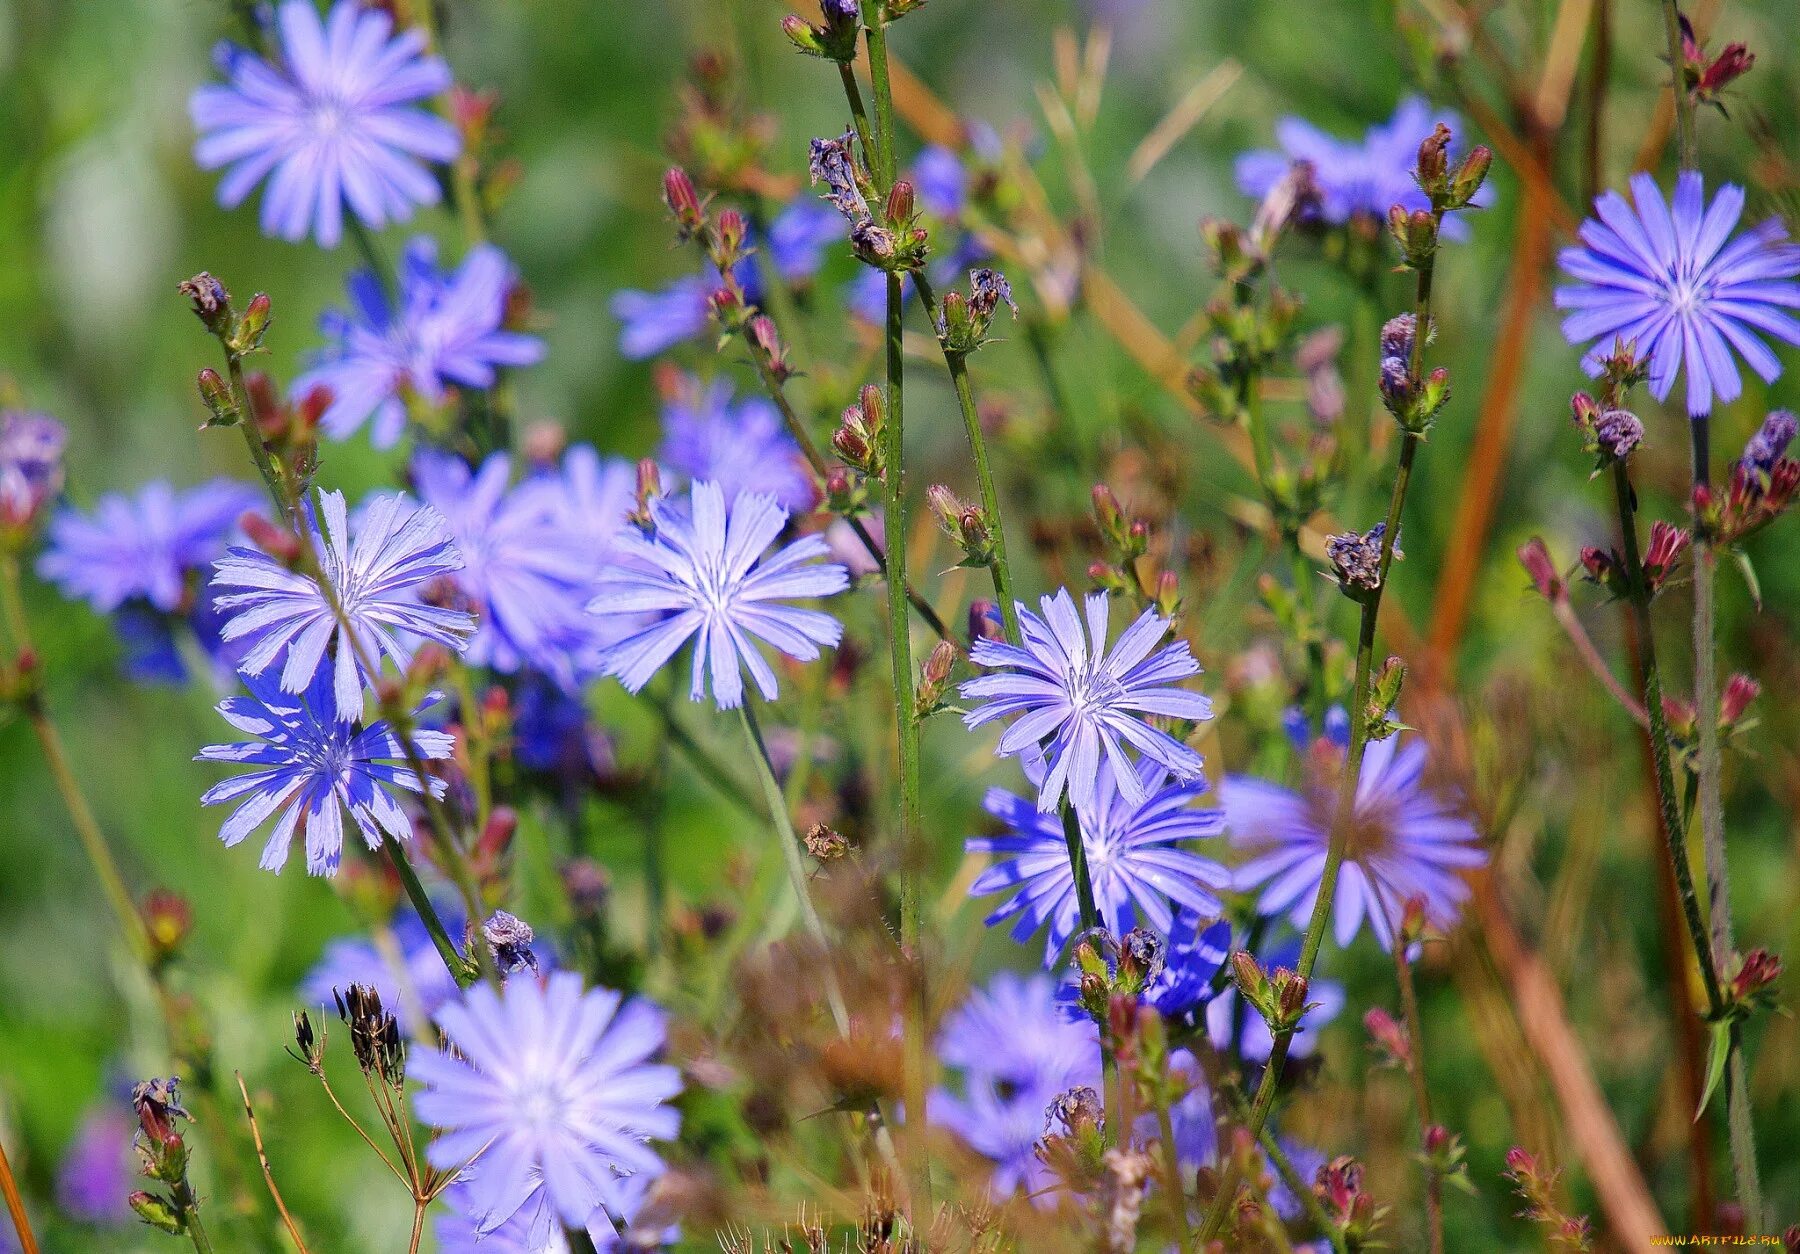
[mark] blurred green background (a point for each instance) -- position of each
(102, 212)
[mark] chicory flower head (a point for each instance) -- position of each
(374, 582)
(335, 121)
(1135, 859)
(546, 1087)
(312, 768)
(703, 573)
(742, 447)
(445, 330)
(1672, 280)
(1406, 840)
(1086, 702)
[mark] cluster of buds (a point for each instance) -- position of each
(31, 472)
(1449, 189)
(1414, 402)
(964, 522)
(833, 37)
(1707, 78)
(162, 1154)
(891, 240)
(859, 440)
(1610, 434)
(963, 321)
(1606, 568)
(1113, 970)
(1536, 1187)
(1073, 1145)
(374, 1034)
(934, 680)
(1356, 560)
(1762, 485)
(1751, 985)
(1384, 696)
(1247, 333)
(1350, 1209)
(1124, 571)
(1683, 717)
(241, 336)
(1445, 1157)
(1280, 998)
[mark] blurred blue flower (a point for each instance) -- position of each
(1674, 282)
(552, 731)
(374, 581)
(524, 573)
(446, 331)
(1405, 840)
(1354, 179)
(312, 768)
(703, 571)
(143, 547)
(1197, 947)
(417, 982)
(98, 1168)
(742, 447)
(1135, 861)
(334, 122)
(1086, 702)
(1017, 1053)
(940, 180)
(31, 467)
(653, 322)
(799, 236)
(546, 1087)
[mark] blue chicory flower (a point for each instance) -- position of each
(1406, 840)
(1086, 702)
(312, 768)
(335, 121)
(445, 330)
(546, 1087)
(143, 547)
(374, 584)
(1673, 281)
(703, 573)
(742, 446)
(1135, 855)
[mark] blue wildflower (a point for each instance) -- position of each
(1405, 840)
(98, 1168)
(535, 1229)
(653, 322)
(799, 236)
(940, 180)
(1355, 179)
(143, 548)
(31, 467)
(374, 584)
(1196, 949)
(547, 1087)
(334, 122)
(1086, 702)
(1017, 1052)
(703, 571)
(446, 330)
(742, 447)
(1134, 857)
(525, 575)
(1674, 282)
(312, 768)
(1764, 450)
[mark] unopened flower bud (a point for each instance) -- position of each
(253, 325)
(217, 397)
(1740, 691)
(901, 207)
(683, 202)
(1388, 1038)
(156, 1212)
(275, 540)
(1534, 556)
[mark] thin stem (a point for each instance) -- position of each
(1172, 1185)
(189, 1207)
(15, 1205)
(1084, 883)
(1301, 1189)
(1686, 142)
(262, 1157)
(1415, 1069)
(418, 1227)
(1353, 760)
(874, 15)
(372, 256)
(703, 762)
(859, 114)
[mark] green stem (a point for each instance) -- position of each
(1172, 1184)
(874, 14)
(372, 255)
(1302, 1190)
(1353, 760)
(859, 114)
(189, 1206)
(1084, 884)
(704, 762)
(1686, 142)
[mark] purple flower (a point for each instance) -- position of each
(1085, 701)
(1197, 947)
(97, 1169)
(1017, 1052)
(1405, 841)
(548, 1087)
(447, 331)
(525, 573)
(1770, 443)
(799, 236)
(742, 447)
(652, 322)
(1355, 179)
(939, 178)
(375, 583)
(703, 571)
(535, 1229)
(143, 548)
(334, 122)
(1134, 856)
(312, 768)
(1675, 282)
(31, 467)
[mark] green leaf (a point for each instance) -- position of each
(1717, 1052)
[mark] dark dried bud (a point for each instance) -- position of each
(825, 843)
(510, 938)
(832, 162)
(211, 302)
(1075, 1112)
(1141, 957)
(1397, 336)
(1356, 560)
(374, 1033)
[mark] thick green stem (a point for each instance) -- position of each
(874, 14)
(1084, 884)
(1353, 759)
(189, 1207)
(859, 114)
(1686, 141)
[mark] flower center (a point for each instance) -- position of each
(540, 1103)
